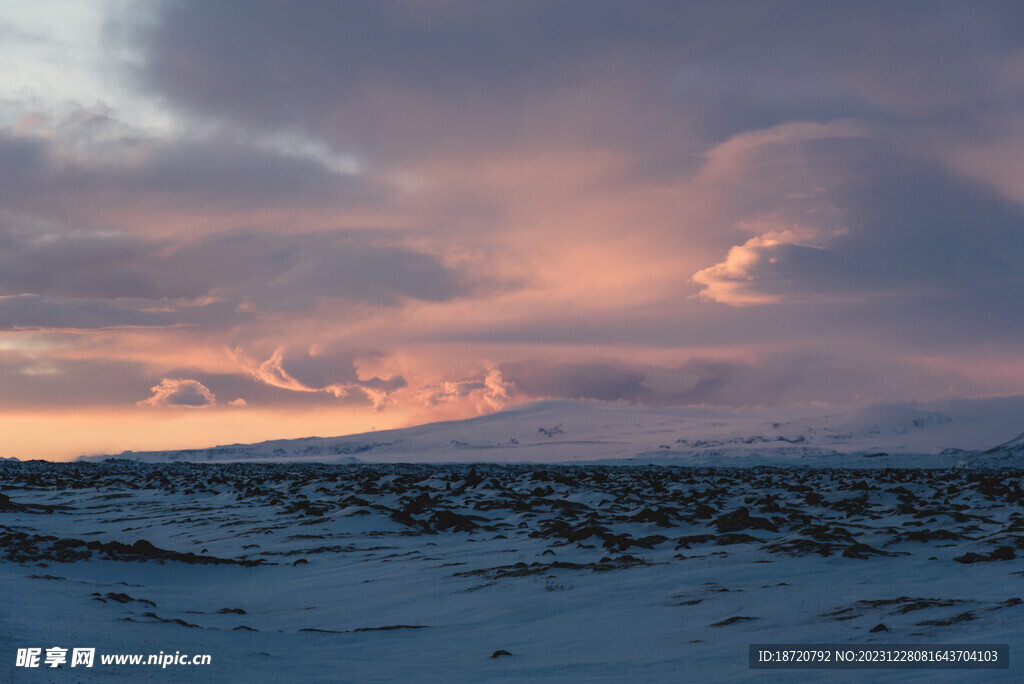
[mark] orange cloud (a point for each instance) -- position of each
(180, 392)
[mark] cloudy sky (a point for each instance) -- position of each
(227, 223)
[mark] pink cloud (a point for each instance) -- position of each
(180, 392)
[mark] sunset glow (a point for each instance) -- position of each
(224, 225)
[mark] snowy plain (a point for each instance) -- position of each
(653, 565)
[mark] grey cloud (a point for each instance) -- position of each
(799, 377)
(316, 371)
(22, 155)
(331, 372)
(902, 229)
(29, 380)
(40, 312)
(273, 267)
(294, 271)
(381, 77)
(63, 175)
(224, 172)
(44, 260)
(595, 380)
(60, 277)
(79, 173)
(772, 380)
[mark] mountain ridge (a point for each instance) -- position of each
(567, 431)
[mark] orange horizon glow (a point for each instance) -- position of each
(67, 435)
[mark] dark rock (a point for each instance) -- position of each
(740, 519)
(733, 620)
(444, 520)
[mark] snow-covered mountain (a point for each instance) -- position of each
(1011, 450)
(933, 433)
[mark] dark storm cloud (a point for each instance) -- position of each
(352, 71)
(697, 382)
(902, 228)
(39, 312)
(293, 272)
(599, 380)
(394, 79)
(59, 171)
(22, 155)
(773, 380)
(87, 169)
(65, 278)
(383, 77)
(235, 172)
(41, 259)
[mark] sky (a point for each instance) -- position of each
(225, 222)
